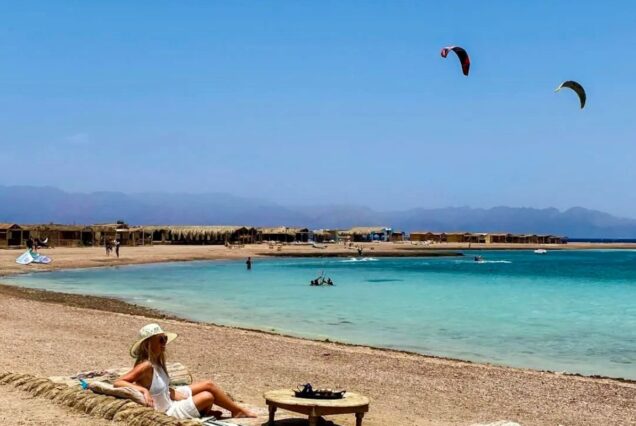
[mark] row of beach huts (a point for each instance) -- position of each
(13, 235)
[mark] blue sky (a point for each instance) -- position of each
(326, 102)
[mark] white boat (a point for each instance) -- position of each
(540, 251)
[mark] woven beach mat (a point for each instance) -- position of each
(179, 375)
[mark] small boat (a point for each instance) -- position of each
(540, 251)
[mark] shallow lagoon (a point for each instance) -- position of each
(569, 311)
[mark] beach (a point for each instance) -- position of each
(55, 334)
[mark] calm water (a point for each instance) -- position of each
(567, 311)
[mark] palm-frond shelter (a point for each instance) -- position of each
(202, 235)
(62, 235)
(367, 233)
(12, 235)
(326, 235)
(283, 234)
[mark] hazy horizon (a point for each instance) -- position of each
(256, 197)
(331, 103)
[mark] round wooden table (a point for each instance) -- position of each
(314, 408)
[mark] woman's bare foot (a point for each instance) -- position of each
(243, 413)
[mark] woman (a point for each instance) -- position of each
(149, 376)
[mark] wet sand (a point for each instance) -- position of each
(48, 333)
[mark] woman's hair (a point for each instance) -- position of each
(145, 353)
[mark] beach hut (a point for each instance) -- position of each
(284, 234)
(12, 235)
(475, 238)
(495, 238)
(103, 232)
(59, 235)
(553, 239)
(326, 235)
(456, 237)
(422, 236)
(397, 236)
(361, 234)
(202, 235)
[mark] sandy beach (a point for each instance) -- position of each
(51, 334)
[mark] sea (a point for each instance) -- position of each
(568, 311)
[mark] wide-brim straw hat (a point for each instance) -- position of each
(146, 332)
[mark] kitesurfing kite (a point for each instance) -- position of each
(461, 54)
(31, 256)
(576, 87)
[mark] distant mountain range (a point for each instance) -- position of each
(28, 204)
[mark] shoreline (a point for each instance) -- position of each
(121, 306)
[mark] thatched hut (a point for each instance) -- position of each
(437, 237)
(283, 234)
(326, 235)
(178, 234)
(12, 235)
(105, 232)
(367, 233)
(397, 236)
(62, 235)
(496, 238)
(133, 236)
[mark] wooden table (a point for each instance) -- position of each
(314, 408)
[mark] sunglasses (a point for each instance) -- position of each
(163, 338)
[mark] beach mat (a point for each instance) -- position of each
(179, 375)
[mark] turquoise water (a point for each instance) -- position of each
(569, 311)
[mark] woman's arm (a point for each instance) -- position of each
(131, 378)
(175, 395)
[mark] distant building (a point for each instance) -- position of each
(12, 235)
(362, 234)
(283, 234)
(326, 235)
(485, 238)
(397, 236)
(200, 235)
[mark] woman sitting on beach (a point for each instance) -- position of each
(150, 377)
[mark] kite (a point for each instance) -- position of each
(461, 54)
(577, 88)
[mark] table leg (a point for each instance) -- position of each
(359, 417)
(272, 412)
(313, 420)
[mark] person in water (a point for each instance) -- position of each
(248, 263)
(149, 376)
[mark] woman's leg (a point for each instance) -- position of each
(220, 398)
(203, 401)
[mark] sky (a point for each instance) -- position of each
(329, 102)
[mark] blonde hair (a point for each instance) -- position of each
(145, 353)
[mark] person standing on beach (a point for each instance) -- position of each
(117, 244)
(108, 246)
(248, 263)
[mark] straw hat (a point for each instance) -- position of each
(148, 331)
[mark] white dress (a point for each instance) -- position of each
(160, 392)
